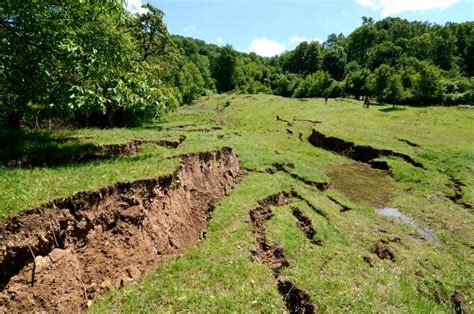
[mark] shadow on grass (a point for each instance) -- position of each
(391, 109)
(20, 148)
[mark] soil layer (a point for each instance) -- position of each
(365, 154)
(57, 257)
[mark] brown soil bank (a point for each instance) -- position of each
(58, 256)
(356, 152)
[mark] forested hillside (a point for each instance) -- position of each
(395, 60)
(94, 63)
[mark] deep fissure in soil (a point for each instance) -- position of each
(56, 257)
(305, 224)
(296, 300)
(361, 153)
(457, 186)
(83, 153)
(344, 208)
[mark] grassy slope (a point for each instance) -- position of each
(219, 275)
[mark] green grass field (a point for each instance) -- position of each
(342, 275)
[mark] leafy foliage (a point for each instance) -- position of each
(79, 60)
(94, 63)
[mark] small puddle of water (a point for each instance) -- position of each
(426, 233)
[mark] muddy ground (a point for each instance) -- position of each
(59, 256)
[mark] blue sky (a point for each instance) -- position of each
(269, 27)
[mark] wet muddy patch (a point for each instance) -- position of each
(395, 213)
(361, 153)
(362, 184)
(59, 256)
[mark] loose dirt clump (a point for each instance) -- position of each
(458, 299)
(58, 256)
(296, 300)
(383, 252)
(360, 153)
(305, 224)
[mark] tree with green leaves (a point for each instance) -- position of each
(76, 60)
(225, 70)
(334, 61)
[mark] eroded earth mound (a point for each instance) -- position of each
(58, 256)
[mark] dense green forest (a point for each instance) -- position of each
(94, 63)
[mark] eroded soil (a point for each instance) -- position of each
(57, 257)
(296, 300)
(83, 152)
(365, 154)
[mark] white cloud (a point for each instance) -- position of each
(190, 29)
(368, 4)
(219, 41)
(297, 39)
(135, 6)
(390, 7)
(266, 47)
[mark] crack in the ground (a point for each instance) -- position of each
(96, 241)
(305, 224)
(309, 204)
(283, 120)
(365, 154)
(344, 208)
(457, 186)
(89, 152)
(296, 300)
(322, 186)
(408, 142)
(278, 167)
(307, 120)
